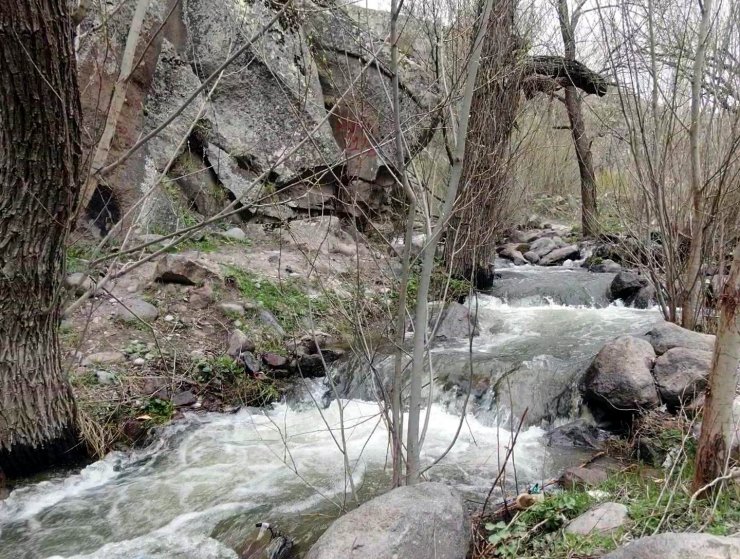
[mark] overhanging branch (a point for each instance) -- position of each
(577, 73)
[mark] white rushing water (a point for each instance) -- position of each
(198, 491)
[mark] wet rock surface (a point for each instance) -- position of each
(619, 380)
(400, 523)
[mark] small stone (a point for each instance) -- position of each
(135, 310)
(250, 362)
(239, 343)
(235, 233)
(139, 361)
(78, 282)
(105, 377)
(268, 319)
(232, 308)
(603, 519)
(184, 398)
(201, 297)
(104, 357)
(155, 386)
(133, 430)
(274, 361)
(582, 477)
(169, 318)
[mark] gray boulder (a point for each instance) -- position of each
(634, 290)
(542, 246)
(679, 546)
(104, 358)
(579, 477)
(269, 320)
(605, 518)
(579, 433)
(425, 520)
(619, 379)
(667, 335)
(605, 267)
(184, 398)
(235, 233)
(265, 108)
(240, 182)
(456, 322)
(527, 236)
(560, 255)
(644, 298)
(681, 375)
(511, 252)
(531, 257)
(239, 343)
(135, 310)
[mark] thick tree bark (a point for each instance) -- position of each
(39, 180)
(581, 142)
(481, 206)
(718, 424)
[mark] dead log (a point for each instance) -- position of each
(572, 71)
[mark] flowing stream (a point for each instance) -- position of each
(200, 488)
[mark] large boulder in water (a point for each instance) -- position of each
(634, 290)
(560, 255)
(679, 546)
(455, 322)
(619, 380)
(667, 335)
(544, 245)
(425, 520)
(681, 374)
(511, 252)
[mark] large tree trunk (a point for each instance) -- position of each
(39, 185)
(718, 428)
(481, 203)
(581, 142)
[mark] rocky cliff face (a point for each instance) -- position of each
(299, 123)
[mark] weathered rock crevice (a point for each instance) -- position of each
(258, 119)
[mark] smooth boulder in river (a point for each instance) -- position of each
(667, 335)
(681, 375)
(620, 380)
(425, 520)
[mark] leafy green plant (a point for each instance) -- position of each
(158, 410)
(222, 369)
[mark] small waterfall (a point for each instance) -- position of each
(198, 492)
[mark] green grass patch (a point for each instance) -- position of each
(229, 377)
(657, 501)
(287, 300)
